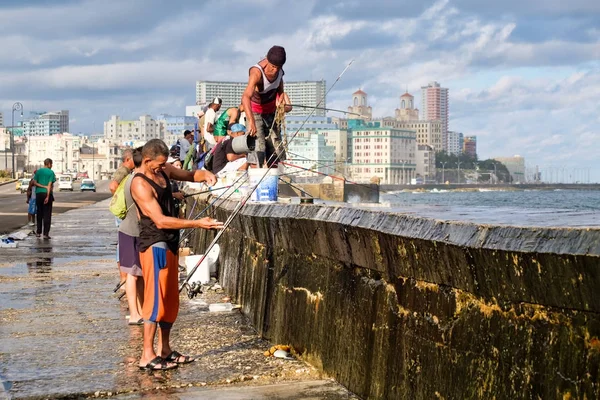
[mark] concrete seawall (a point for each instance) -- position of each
(396, 306)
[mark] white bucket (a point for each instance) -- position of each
(267, 189)
(208, 265)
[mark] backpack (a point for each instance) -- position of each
(118, 205)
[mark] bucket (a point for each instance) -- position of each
(243, 144)
(267, 189)
(208, 265)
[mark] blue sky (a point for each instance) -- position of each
(524, 76)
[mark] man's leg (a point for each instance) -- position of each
(261, 134)
(148, 353)
(39, 200)
(131, 286)
(48, 216)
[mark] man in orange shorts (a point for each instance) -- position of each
(159, 244)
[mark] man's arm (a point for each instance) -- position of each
(190, 176)
(112, 186)
(253, 80)
(143, 195)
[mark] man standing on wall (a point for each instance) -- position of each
(44, 180)
(265, 85)
(159, 246)
(208, 125)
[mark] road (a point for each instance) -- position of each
(13, 212)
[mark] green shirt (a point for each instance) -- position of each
(221, 124)
(44, 176)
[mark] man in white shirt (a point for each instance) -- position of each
(208, 127)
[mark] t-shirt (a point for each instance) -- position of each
(220, 156)
(44, 176)
(209, 118)
(121, 173)
(221, 124)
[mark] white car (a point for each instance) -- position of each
(65, 182)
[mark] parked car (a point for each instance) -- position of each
(24, 184)
(82, 175)
(65, 182)
(87, 184)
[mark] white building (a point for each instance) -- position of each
(383, 152)
(117, 130)
(311, 153)
(455, 143)
(62, 148)
(425, 162)
(46, 123)
(434, 106)
(304, 93)
(429, 133)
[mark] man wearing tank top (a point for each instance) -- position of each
(260, 99)
(159, 244)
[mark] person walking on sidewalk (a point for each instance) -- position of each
(159, 246)
(121, 173)
(129, 256)
(44, 180)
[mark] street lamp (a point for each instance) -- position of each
(16, 107)
(443, 171)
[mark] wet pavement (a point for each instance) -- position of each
(63, 333)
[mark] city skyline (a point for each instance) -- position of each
(523, 78)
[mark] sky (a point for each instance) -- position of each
(523, 76)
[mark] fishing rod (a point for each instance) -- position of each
(323, 108)
(206, 191)
(193, 291)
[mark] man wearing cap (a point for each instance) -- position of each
(225, 158)
(260, 100)
(208, 127)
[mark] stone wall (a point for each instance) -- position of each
(400, 307)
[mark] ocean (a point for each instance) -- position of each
(536, 208)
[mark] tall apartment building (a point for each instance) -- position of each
(145, 128)
(429, 133)
(46, 123)
(455, 143)
(303, 93)
(1, 119)
(383, 152)
(470, 146)
(174, 126)
(434, 106)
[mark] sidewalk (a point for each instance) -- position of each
(64, 333)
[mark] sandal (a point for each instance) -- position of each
(138, 322)
(175, 357)
(158, 364)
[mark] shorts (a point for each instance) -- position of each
(129, 255)
(160, 269)
(32, 209)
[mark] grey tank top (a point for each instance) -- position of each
(130, 225)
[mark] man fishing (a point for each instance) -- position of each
(260, 100)
(159, 244)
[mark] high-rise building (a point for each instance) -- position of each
(470, 146)
(434, 105)
(455, 143)
(174, 126)
(383, 152)
(46, 123)
(145, 128)
(407, 110)
(1, 119)
(360, 108)
(515, 166)
(302, 93)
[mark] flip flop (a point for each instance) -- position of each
(175, 356)
(138, 322)
(159, 362)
